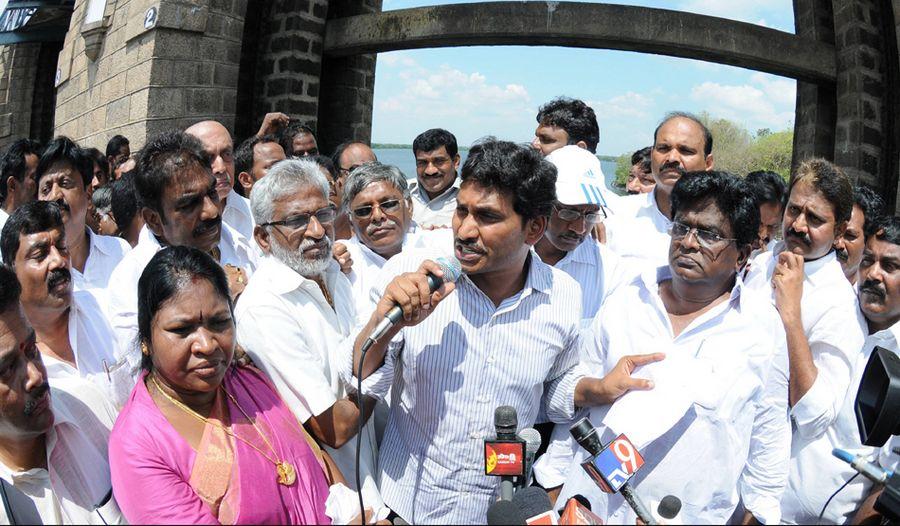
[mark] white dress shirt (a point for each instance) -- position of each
(434, 212)
(238, 216)
(93, 344)
(597, 269)
(234, 249)
(293, 335)
(835, 330)
(452, 371)
(76, 486)
(638, 232)
(105, 254)
(816, 473)
(4, 217)
(714, 431)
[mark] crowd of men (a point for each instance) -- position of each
(722, 321)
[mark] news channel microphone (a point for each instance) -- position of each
(578, 511)
(504, 456)
(451, 269)
(535, 506)
(863, 466)
(532, 439)
(613, 466)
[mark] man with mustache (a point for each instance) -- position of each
(299, 307)
(638, 230)
(346, 157)
(868, 206)
(435, 189)
(176, 191)
(640, 177)
(72, 331)
(815, 473)
(64, 174)
(714, 431)
(253, 159)
(219, 146)
(824, 329)
(769, 189)
(17, 183)
(508, 332)
(54, 467)
(377, 200)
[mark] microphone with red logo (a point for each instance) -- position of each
(578, 511)
(535, 506)
(611, 467)
(504, 456)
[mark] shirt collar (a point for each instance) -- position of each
(891, 336)
(650, 207)
(818, 271)
(95, 243)
(651, 279)
(417, 189)
(285, 280)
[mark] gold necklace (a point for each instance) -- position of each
(287, 475)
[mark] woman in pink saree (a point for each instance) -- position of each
(202, 440)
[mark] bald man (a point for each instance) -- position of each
(346, 157)
(218, 145)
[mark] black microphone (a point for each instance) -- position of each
(669, 508)
(602, 459)
(504, 456)
(534, 503)
(452, 270)
(505, 512)
(582, 500)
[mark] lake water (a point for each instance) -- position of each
(403, 159)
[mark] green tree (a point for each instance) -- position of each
(623, 166)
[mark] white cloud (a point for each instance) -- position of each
(628, 105)
(742, 10)
(765, 102)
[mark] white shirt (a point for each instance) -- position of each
(93, 344)
(714, 431)
(287, 326)
(76, 487)
(835, 330)
(105, 254)
(4, 217)
(638, 232)
(597, 269)
(452, 371)
(123, 299)
(434, 212)
(816, 473)
(238, 216)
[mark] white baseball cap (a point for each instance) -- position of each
(579, 179)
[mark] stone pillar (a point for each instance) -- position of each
(18, 68)
(161, 64)
(816, 105)
(861, 129)
(289, 61)
(348, 86)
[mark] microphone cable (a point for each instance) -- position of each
(360, 424)
(833, 495)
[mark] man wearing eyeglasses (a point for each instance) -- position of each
(436, 186)
(714, 430)
(299, 307)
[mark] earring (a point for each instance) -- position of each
(144, 350)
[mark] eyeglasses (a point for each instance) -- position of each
(301, 221)
(705, 238)
(591, 218)
(346, 171)
(389, 206)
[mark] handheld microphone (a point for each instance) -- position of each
(613, 466)
(863, 466)
(532, 439)
(505, 512)
(578, 511)
(534, 503)
(504, 456)
(452, 270)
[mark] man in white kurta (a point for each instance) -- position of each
(298, 308)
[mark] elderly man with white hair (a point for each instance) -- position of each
(297, 309)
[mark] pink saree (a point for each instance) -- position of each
(158, 478)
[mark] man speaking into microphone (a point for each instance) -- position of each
(506, 333)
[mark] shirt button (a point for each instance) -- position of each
(474, 435)
(483, 400)
(490, 359)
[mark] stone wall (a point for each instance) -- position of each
(18, 67)
(815, 106)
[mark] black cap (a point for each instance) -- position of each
(506, 421)
(505, 512)
(584, 433)
(669, 507)
(532, 501)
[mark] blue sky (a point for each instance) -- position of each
(478, 91)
